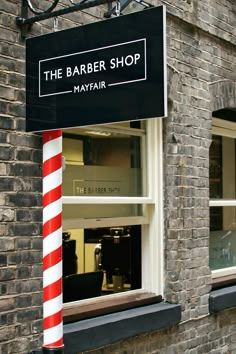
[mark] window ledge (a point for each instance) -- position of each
(74, 311)
(104, 330)
(222, 299)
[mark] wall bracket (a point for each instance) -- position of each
(24, 21)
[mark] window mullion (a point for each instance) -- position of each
(222, 202)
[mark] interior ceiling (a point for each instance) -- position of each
(99, 131)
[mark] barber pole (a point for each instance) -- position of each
(52, 243)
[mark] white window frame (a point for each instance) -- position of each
(151, 221)
(226, 129)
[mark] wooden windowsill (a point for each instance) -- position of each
(84, 309)
(221, 282)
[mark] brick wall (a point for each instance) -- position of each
(20, 187)
(20, 200)
(201, 51)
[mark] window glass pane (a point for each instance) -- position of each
(216, 167)
(100, 162)
(223, 237)
(223, 168)
(98, 211)
(101, 261)
(103, 163)
(222, 187)
(102, 181)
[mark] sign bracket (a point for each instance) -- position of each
(24, 21)
(124, 4)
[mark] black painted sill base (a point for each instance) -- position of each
(104, 330)
(222, 299)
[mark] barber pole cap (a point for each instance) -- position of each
(53, 350)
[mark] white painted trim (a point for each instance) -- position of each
(106, 200)
(69, 224)
(224, 128)
(224, 132)
(223, 272)
(152, 240)
(152, 219)
(222, 202)
(221, 123)
(228, 129)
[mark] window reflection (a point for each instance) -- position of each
(222, 218)
(102, 162)
(109, 258)
(223, 241)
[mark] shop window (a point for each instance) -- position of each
(112, 211)
(223, 199)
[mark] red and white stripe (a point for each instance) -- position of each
(52, 239)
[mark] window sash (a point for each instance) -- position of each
(224, 129)
(152, 237)
(227, 129)
(151, 221)
(70, 224)
(106, 200)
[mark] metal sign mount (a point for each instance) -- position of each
(24, 21)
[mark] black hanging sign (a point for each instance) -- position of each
(104, 72)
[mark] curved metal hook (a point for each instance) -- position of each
(36, 12)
